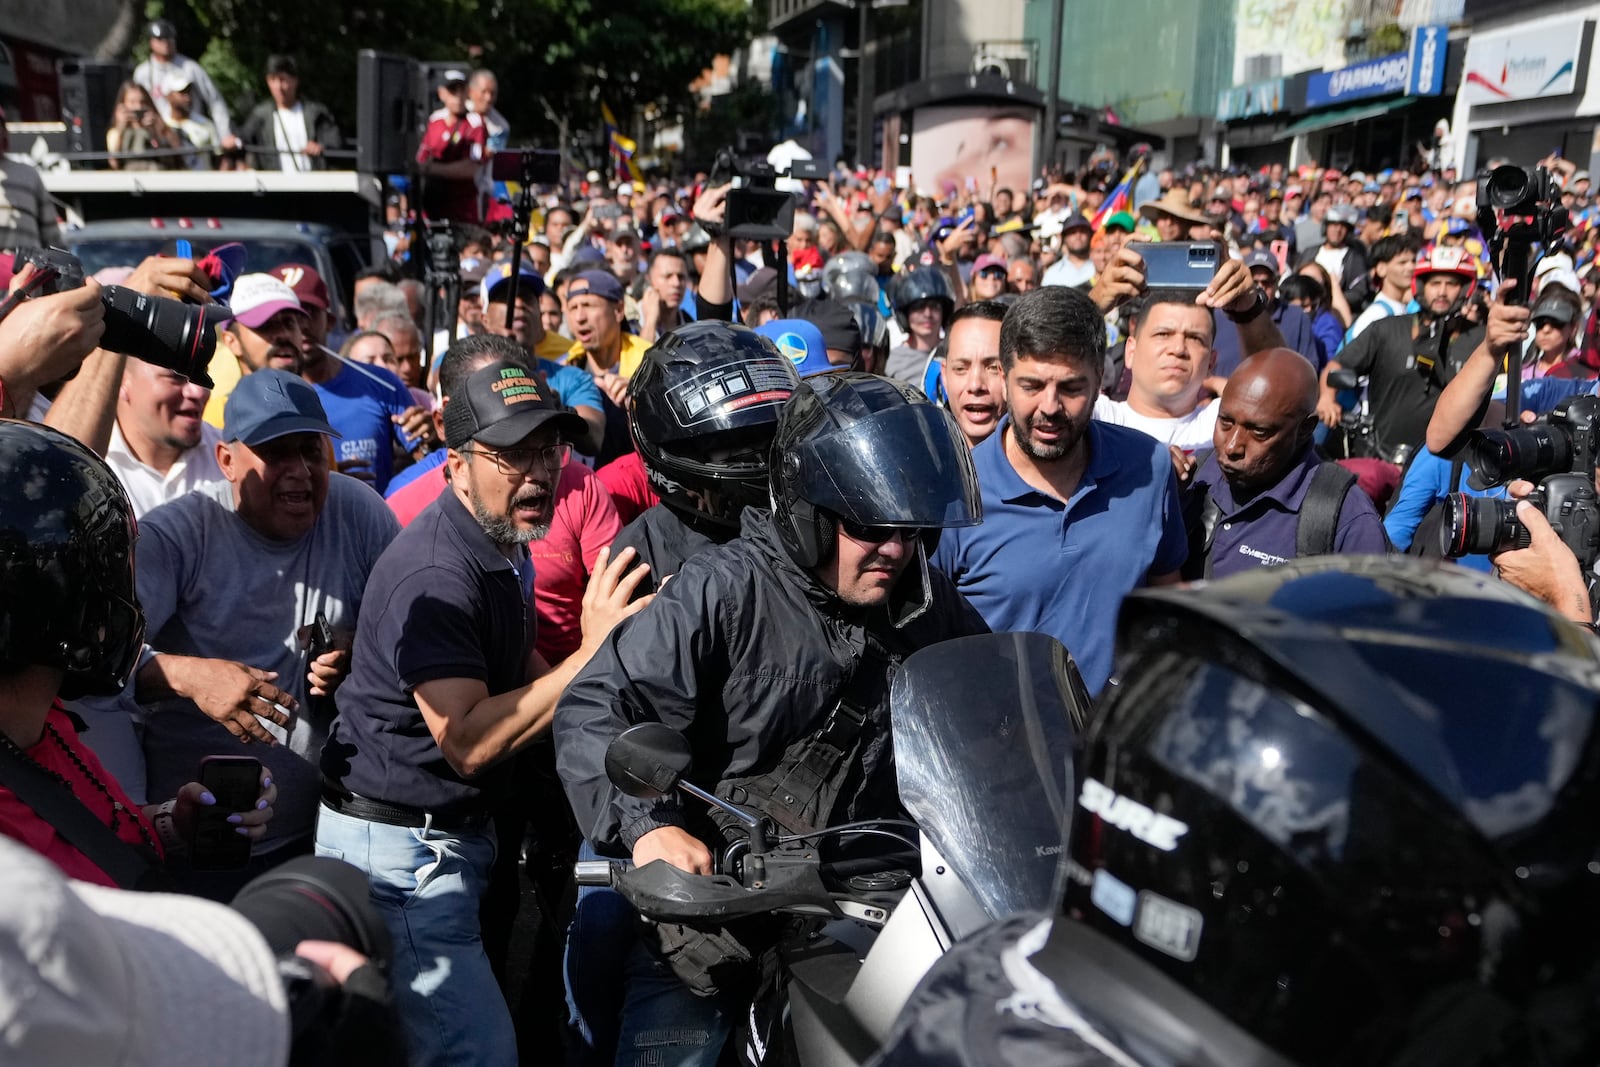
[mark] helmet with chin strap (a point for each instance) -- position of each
(1445, 259)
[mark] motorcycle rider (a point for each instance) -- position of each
(1409, 359)
(1295, 843)
(923, 304)
(773, 653)
(706, 460)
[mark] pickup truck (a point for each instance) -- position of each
(329, 219)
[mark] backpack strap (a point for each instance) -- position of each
(1319, 512)
(57, 805)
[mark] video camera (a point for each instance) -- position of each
(1518, 209)
(758, 210)
(1560, 453)
(156, 329)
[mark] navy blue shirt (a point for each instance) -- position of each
(1036, 563)
(1293, 323)
(1261, 532)
(359, 401)
(441, 602)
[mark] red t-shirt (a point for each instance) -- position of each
(23, 824)
(582, 523)
(455, 199)
(629, 485)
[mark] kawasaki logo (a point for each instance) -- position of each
(1151, 827)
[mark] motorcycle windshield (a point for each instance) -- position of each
(983, 739)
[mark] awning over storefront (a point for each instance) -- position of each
(1344, 116)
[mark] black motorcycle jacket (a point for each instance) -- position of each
(747, 654)
(664, 538)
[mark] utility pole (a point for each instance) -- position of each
(1052, 92)
(864, 90)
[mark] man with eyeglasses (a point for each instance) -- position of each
(443, 692)
(774, 653)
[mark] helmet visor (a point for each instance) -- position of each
(905, 466)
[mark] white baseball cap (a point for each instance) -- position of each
(258, 297)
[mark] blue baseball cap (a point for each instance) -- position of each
(270, 404)
(800, 342)
(596, 283)
(529, 281)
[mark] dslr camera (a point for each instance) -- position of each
(757, 209)
(169, 333)
(1559, 454)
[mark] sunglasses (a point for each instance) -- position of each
(991, 272)
(877, 535)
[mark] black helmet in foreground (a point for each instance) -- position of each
(914, 286)
(870, 451)
(706, 399)
(67, 595)
(1348, 804)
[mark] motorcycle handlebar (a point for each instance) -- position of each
(598, 872)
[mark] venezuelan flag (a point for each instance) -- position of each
(1121, 198)
(622, 148)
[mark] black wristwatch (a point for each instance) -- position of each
(1255, 309)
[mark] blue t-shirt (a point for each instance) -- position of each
(1427, 482)
(1036, 563)
(422, 466)
(1541, 395)
(359, 401)
(573, 385)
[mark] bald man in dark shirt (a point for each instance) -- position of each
(1264, 496)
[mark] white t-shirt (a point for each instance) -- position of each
(1065, 272)
(290, 138)
(1192, 432)
(1332, 261)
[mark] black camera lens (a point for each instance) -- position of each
(1510, 187)
(1497, 456)
(315, 898)
(169, 333)
(1479, 526)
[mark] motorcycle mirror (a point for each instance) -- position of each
(647, 760)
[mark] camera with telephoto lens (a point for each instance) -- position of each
(1519, 210)
(1559, 454)
(160, 330)
(759, 210)
(317, 898)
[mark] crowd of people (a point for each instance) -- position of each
(425, 565)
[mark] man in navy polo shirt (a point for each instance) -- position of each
(1265, 468)
(1077, 513)
(441, 695)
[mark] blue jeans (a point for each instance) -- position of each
(625, 1006)
(427, 884)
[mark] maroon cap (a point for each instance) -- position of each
(306, 283)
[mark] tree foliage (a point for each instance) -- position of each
(572, 54)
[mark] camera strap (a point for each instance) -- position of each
(57, 805)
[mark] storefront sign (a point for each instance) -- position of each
(1522, 64)
(1248, 101)
(1418, 71)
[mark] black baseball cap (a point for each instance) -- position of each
(838, 327)
(1555, 309)
(501, 404)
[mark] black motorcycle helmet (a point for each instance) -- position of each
(706, 399)
(67, 596)
(871, 451)
(1349, 805)
(913, 286)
